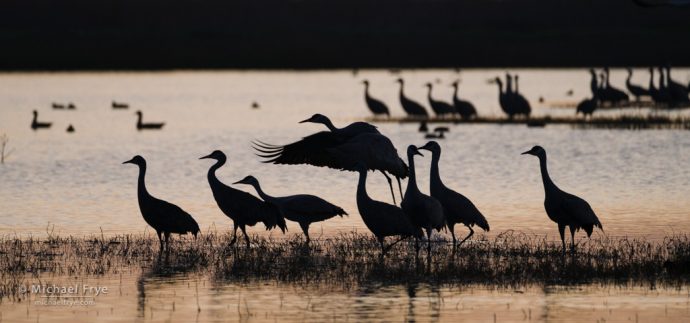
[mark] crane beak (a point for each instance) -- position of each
(238, 182)
(128, 162)
(205, 157)
(307, 120)
(529, 152)
(418, 153)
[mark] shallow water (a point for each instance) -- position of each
(191, 298)
(636, 181)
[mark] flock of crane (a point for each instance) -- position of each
(667, 94)
(358, 147)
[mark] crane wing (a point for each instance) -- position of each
(579, 210)
(311, 150)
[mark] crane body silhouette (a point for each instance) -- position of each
(411, 107)
(440, 108)
(464, 108)
(147, 125)
(636, 90)
(243, 208)
(35, 124)
(456, 207)
(302, 208)
(375, 106)
(425, 211)
(164, 217)
(564, 208)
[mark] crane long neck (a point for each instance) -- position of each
(212, 171)
(412, 182)
(435, 178)
(362, 186)
(330, 125)
(546, 179)
(142, 193)
(500, 88)
(139, 118)
(261, 193)
(455, 91)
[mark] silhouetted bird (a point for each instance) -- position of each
(164, 217)
(563, 208)
(464, 108)
(255, 105)
(58, 106)
(375, 106)
(243, 208)
(677, 91)
(440, 108)
(569, 92)
(35, 124)
(303, 209)
(340, 148)
(657, 96)
(664, 93)
(456, 207)
(593, 84)
(509, 103)
(411, 107)
(70, 128)
(522, 106)
(382, 219)
(435, 135)
(119, 105)
(425, 211)
(636, 90)
(71, 106)
(587, 106)
(612, 94)
(142, 126)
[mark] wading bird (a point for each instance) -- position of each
(382, 219)
(243, 208)
(375, 106)
(464, 108)
(164, 217)
(35, 124)
(587, 106)
(456, 207)
(411, 107)
(425, 211)
(302, 208)
(522, 106)
(563, 208)
(636, 90)
(340, 148)
(440, 108)
(141, 125)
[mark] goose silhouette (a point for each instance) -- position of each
(119, 105)
(302, 208)
(143, 126)
(375, 106)
(35, 124)
(564, 208)
(162, 216)
(241, 207)
(382, 219)
(456, 207)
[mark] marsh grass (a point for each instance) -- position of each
(348, 260)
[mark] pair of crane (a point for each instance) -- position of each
(358, 147)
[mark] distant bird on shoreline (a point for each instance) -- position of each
(149, 125)
(302, 208)
(119, 105)
(241, 207)
(35, 124)
(382, 219)
(375, 106)
(456, 207)
(70, 129)
(440, 108)
(57, 106)
(425, 211)
(164, 217)
(411, 107)
(563, 208)
(636, 90)
(464, 108)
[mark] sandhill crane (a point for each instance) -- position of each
(142, 126)
(440, 108)
(612, 94)
(243, 208)
(340, 148)
(563, 208)
(503, 99)
(425, 211)
(636, 90)
(593, 85)
(464, 108)
(522, 106)
(303, 208)
(164, 217)
(382, 219)
(35, 124)
(375, 106)
(411, 107)
(587, 106)
(677, 91)
(456, 207)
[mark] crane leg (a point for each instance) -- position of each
(390, 184)
(468, 236)
(399, 188)
(234, 235)
(561, 230)
(246, 237)
(572, 239)
(167, 242)
(305, 229)
(428, 240)
(383, 249)
(160, 239)
(451, 227)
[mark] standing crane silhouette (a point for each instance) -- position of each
(636, 90)
(243, 208)
(411, 107)
(464, 108)
(35, 124)
(147, 125)
(302, 208)
(564, 208)
(164, 217)
(340, 148)
(375, 106)
(440, 108)
(382, 219)
(522, 106)
(456, 207)
(425, 211)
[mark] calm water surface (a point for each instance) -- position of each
(637, 182)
